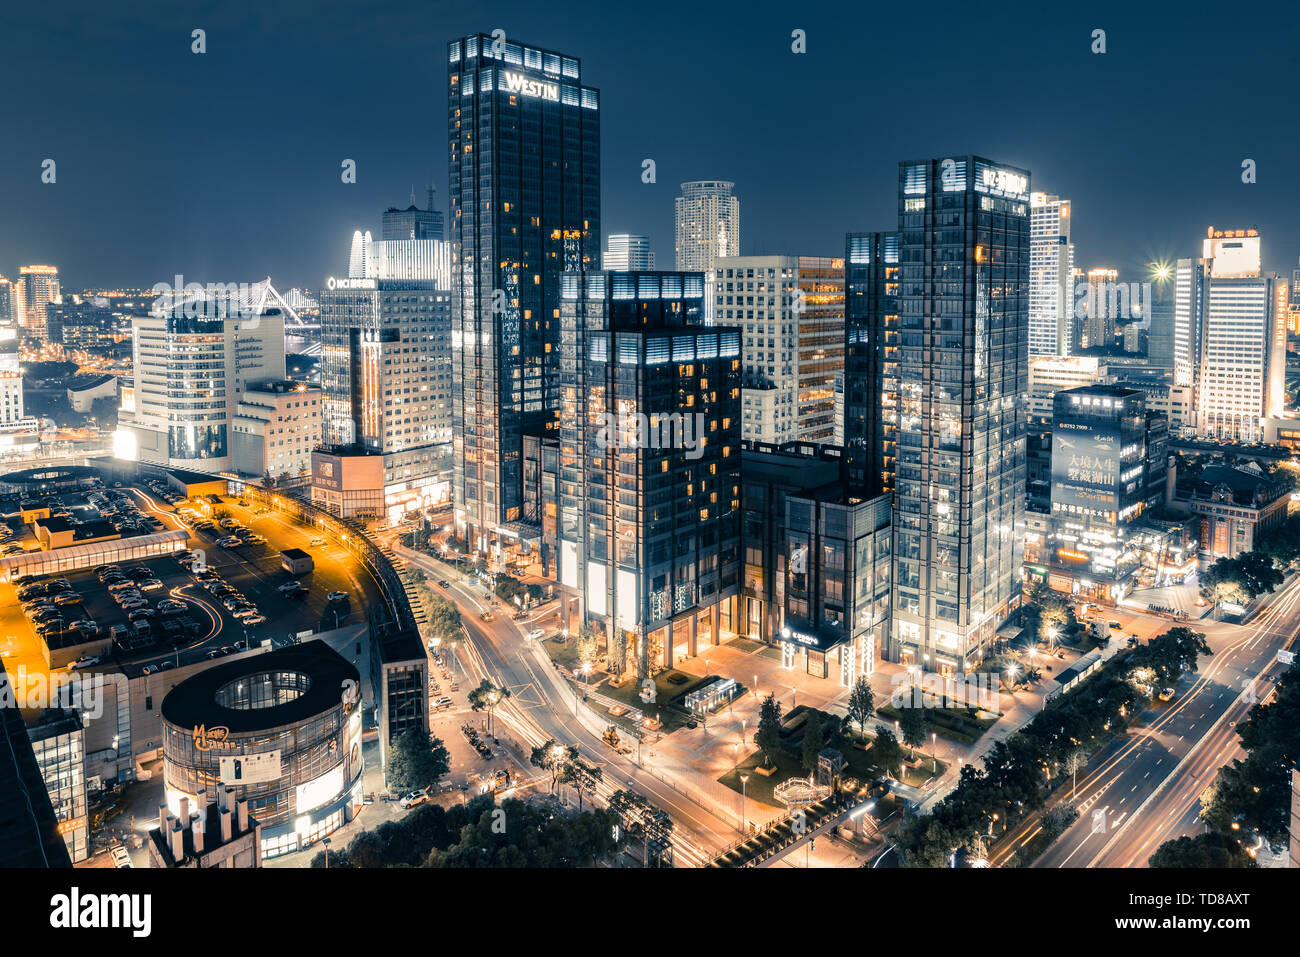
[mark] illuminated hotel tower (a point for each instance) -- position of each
(524, 182)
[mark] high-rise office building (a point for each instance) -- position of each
(963, 317)
(8, 302)
(386, 375)
(871, 360)
(524, 185)
(1230, 336)
(1099, 309)
(38, 286)
(791, 311)
(413, 222)
(191, 365)
(1051, 271)
(648, 483)
(625, 252)
(708, 224)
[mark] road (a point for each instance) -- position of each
(1123, 795)
(539, 710)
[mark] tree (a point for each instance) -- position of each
(813, 740)
(1208, 850)
(768, 734)
(886, 752)
(861, 704)
(525, 835)
(586, 646)
(1240, 580)
(416, 761)
(1282, 542)
(580, 774)
(486, 697)
(1073, 761)
(553, 758)
(268, 480)
(912, 724)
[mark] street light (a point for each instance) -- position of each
(934, 752)
(744, 779)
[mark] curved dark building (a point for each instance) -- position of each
(281, 730)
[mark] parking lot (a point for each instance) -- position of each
(161, 612)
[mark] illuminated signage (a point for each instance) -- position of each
(212, 739)
(321, 790)
(516, 83)
(1002, 182)
(333, 283)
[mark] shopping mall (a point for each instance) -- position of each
(281, 730)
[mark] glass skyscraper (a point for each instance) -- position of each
(871, 359)
(963, 376)
(524, 179)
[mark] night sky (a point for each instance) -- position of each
(225, 166)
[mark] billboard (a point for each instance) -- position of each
(251, 768)
(1085, 466)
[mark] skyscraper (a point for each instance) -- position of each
(1051, 267)
(626, 252)
(8, 302)
(413, 222)
(871, 360)
(1230, 336)
(1101, 308)
(524, 184)
(386, 376)
(649, 466)
(38, 286)
(708, 224)
(791, 312)
(963, 317)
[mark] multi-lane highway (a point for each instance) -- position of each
(1143, 788)
(540, 708)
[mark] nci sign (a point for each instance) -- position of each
(518, 83)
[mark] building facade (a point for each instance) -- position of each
(871, 360)
(649, 466)
(38, 286)
(963, 375)
(189, 371)
(525, 208)
(625, 252)
(276, 427)
(1051, 272)
(791, 311)
(276, 730)
(1230, 336)
(58, 741)
(707, 224)
(387, 382)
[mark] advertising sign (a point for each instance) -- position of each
(251, 768)
(1085, 467)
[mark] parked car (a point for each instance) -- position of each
(414, 798)
(255, 619)
(62, 600)
(151, 584)
(317, 542)
(337, 596)
(85, 625)
(85, 661)
(535, 635)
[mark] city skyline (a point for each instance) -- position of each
(272, 209)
